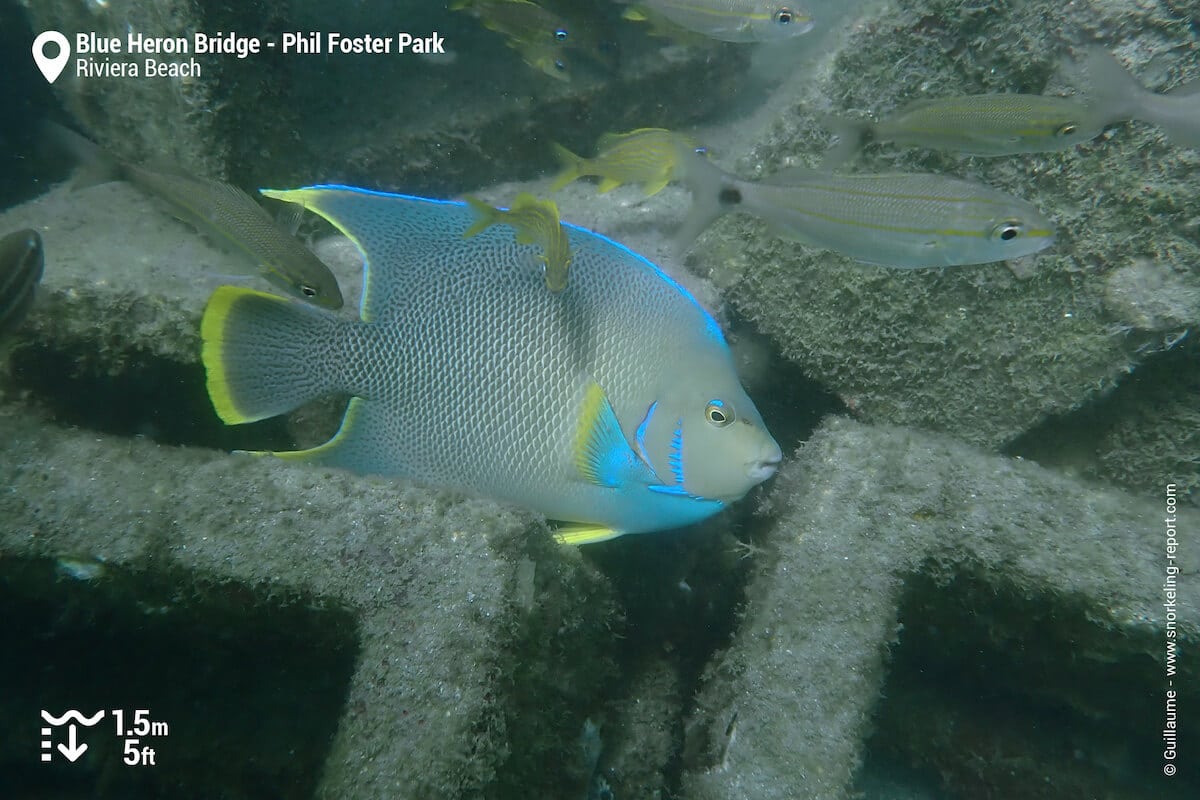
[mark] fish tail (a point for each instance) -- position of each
(714, 192)
(1115, 93)
(96, 165)
(258, 355)
(486, 216)
(572, 166)
(1181, 132)
(851, 135)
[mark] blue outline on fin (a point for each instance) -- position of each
(710, 325)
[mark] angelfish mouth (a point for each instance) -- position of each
(761, 469)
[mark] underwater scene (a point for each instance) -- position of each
(600, 399)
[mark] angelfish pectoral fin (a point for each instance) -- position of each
(601, 455)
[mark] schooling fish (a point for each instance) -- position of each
(614, 407)
(535, 222)
(727, 20)
(1006, 124)
(982, 125)
(518, 19)
(548, 59)
(652, 157)
(894, 220)
(21, 264)
(539, 36)
(227, 214)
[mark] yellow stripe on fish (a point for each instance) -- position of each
(727, 20)
(896, 220)
(230, 217)
(652, 157)
(1006, 124)
(535, 222)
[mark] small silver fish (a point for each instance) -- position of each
(727, 20)
(982, 125)
(21, 264)
(228, 215)
(615, 407)
(895, 220)
(1007, 124)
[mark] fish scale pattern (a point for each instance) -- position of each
(473, 374)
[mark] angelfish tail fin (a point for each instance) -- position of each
(265, 355)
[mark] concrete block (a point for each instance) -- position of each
(982, 352)
(910, 584)
(468, 645)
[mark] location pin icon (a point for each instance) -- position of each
(51, 67)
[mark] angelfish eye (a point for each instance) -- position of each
(560, 35)
(718, 413)
(308, 291)
(784, 16)
(1007, 231)
(1067, 129)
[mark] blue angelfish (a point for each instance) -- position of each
(613, 406)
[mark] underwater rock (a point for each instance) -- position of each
(1151, 295)
(902, 564)
(444, 657)
(971, 351)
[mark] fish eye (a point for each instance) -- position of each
(1067, 129)
(701, 150)
(1007, 231)
(718, 413)
(308, 291)
(784, 16)
(561, 34)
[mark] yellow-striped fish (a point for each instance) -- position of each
(539, 36)
(894, 220)
(229, 216)
(535, 222)
(652, 157)
(982, 125)
(1006, 124)
(727, 20)
(518, 19)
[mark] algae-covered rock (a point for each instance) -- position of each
(983, 352)
(462, 628)
(903, 565)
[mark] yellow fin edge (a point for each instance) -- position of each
(310, 199)
(212, 349)
(580, 533)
